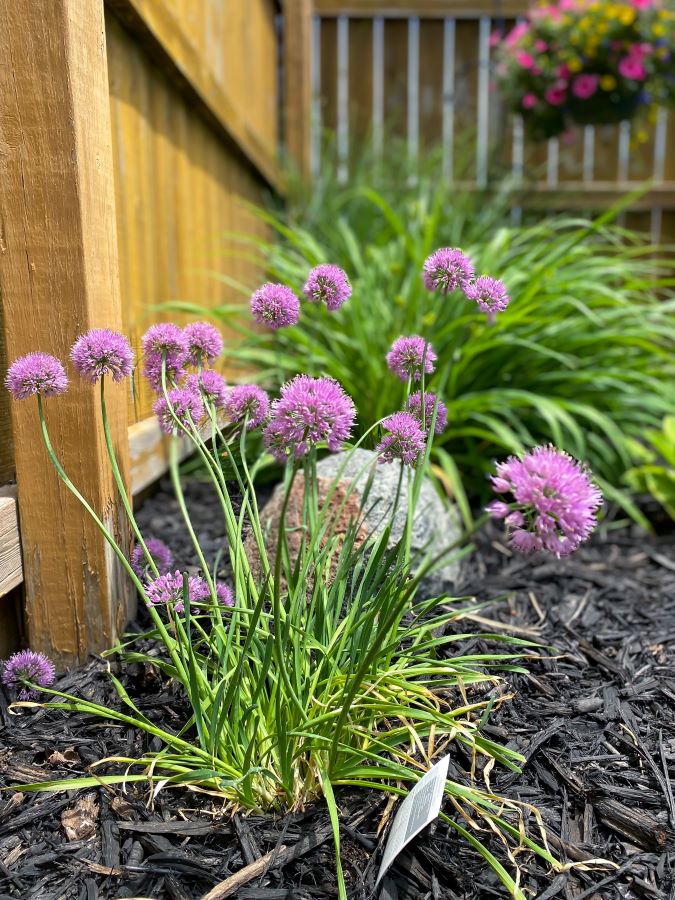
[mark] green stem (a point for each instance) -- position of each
(168, 640)
(119, 481)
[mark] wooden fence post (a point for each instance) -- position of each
(59, 277)
(297, 87)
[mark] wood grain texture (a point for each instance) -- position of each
(223, 58)
(179, 196)
(297, 87)
(59, 277)
(11, 570)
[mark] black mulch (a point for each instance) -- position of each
(595, 719)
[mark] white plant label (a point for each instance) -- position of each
(419, 809)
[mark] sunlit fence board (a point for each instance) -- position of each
(180, 194)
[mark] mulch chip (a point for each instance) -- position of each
(594, 718)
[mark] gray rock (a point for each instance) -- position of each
(436, 525)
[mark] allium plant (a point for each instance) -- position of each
(320, 667)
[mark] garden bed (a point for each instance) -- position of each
(594, 719)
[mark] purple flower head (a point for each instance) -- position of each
(327, 284)
(168, 590)
(447, 269)
(160, 553)
(102, 352)
(247, 401)
(308, 411)
(407, 355)
(404, 440)
(210, 385)
(204, 343)
(414, 406)
(554, 501)
(165, 338)
(187, 407)
(36, 373)
(489, 293)
(164, 343)
(29, 666)
(275, 306)
(224, 594)
(152, 370)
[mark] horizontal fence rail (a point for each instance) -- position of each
(424, 74)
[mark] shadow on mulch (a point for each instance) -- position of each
(595, 719)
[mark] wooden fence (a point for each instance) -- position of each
(129, 131)
(422, 72)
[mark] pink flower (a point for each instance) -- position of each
(516, 33)
(447, 269)
(540, 46)
(524, 60)
(555, 497)
(564, 71)
(275, 306)
(409, 355)
(584, 86)
(642, 4)
(556, 95)
(529, 101)
(309, 411)
(404, 440)
(36, 373)
(632, 67)
(102, 352)
(495, 38)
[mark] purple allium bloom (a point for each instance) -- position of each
(405, 440)
(209, 384)
(160, 553)
(275, 306)
(187, 408)
(224, 594)
(489, 293)
(36, 373)
(165, 338)
(414, 406)
(555, 501)
(102, 352)
(247, 400)
(447, 269)
(407, 355)
(164, 342)
(204, 343)
(175, 369)
(28, 666)
(168, 589)
(308, 411)
(327, 284)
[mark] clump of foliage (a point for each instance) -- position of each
(584, 354)
(655, 474)
(322, 668)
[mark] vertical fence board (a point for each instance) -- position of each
(395, 79)
(60, 277)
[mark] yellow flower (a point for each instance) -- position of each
(642, 136)
(626, 16)
(608, 82)
(575, 65)
(658, 30)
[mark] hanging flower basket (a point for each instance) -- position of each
(587, 62)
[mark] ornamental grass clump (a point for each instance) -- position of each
(583, 354)
(321, 667)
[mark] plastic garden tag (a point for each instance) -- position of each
(420, 807)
